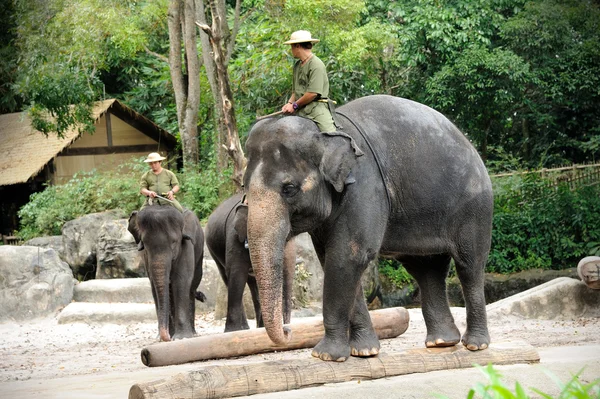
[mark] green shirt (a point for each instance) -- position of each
(160, 184)
(312, 77)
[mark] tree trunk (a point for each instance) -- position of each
(218, 34)
(181, 16)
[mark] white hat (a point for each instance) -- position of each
(301, 36)
(153, 157)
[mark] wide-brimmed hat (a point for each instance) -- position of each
(153, 157)
(301, 36)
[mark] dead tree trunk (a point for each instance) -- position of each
(217, 33)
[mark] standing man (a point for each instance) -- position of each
(159, 181)
(310, 87)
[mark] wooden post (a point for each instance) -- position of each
(233, 380)
(388, 323)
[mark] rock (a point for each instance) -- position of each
(34, 282)
(221, 302)
(500, 286)
(80, 238)
(54, 242)
(305, 251)
(209, 286)
(561, 298)
(588, 270)
(116, 252)
(117, 290)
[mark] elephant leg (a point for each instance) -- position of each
(182, 293)
(236, 316)
(255, 300)
(471, 276)
(430, 273)
(363, 338)
(339, 294)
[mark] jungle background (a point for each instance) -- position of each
(520, 78)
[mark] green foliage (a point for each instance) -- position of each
(497, 389)
(395, 273)
(47, 211)
(204, 190)
(540, 225)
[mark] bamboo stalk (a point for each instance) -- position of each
(248, 379)
(388, 323)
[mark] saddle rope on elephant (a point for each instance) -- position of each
(382, 173)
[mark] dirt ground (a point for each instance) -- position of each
(45, 350)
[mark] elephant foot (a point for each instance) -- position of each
(440, 339)
(236, 327)
(330, 350)
(183, 335)
(476, 341)
(364, 343)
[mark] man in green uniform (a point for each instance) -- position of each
(310, 87)
(159, 181)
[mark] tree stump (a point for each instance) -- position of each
(388, 323)
(233, 380)
(589, 271)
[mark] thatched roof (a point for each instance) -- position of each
(24, 151)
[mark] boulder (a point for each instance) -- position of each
(54, 242)
(34, 282)
(80, 237)
(312, 271)
(588, 270)
(116, 252)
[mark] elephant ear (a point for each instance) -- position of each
(133, 228)
(337, 161)
(240, 222)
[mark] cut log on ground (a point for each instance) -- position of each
(388, 323)
(589, 271)
(249, 379)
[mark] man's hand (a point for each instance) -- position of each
(288, 108)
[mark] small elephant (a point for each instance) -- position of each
(225, 238)
(172, 255)
(418, 193)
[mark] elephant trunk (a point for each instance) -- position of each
(268, 228)
(162, 271)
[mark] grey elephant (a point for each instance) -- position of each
(172, 255)
(225, 239)
(419, 194)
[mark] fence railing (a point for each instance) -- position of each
(574, 176)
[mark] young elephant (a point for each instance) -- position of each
(174, 248)
(225, 238)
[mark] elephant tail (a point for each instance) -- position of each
(200, 296)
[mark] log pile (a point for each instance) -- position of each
(248, 379)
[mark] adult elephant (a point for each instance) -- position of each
(173, 252)
(420, 194)
(226, 234)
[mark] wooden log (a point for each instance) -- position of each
(388, 323)
(274, 376)
(588, 270)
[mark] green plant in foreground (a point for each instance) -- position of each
(496, 389)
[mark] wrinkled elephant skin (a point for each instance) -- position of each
(173, 253)
(421, 196)
(226, 233)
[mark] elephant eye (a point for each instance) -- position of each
(289, 190)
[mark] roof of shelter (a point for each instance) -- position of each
(25, 151)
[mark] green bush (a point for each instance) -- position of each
(540, 225)
(395, 273)
(97, 191)
(87, 192)
(496, 389)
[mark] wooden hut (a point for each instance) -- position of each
(28, 159)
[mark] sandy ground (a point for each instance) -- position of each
(45, 350)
